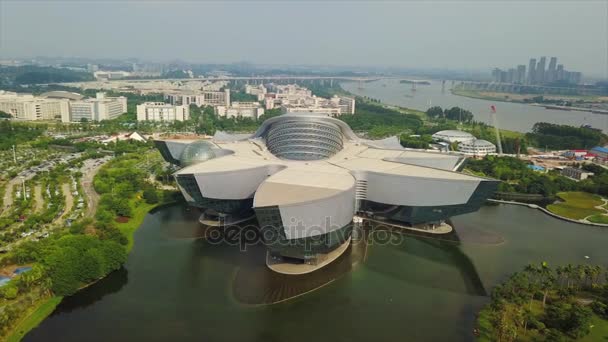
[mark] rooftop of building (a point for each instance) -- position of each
(477, 143)
(600, 149)
(157, 104)
(291, 181)
(453, 133)
(60, 94)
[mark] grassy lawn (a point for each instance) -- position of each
(404, 110)
(599, 332)
(598, 219)
(511, 134)
(33, 318)
(576, 205)
(139, 210)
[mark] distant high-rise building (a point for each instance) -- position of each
(540, 70)
(532, 71)
(521, 74)
(504, 76)
(511, 76)
(551, 75)
(575, 77)
(560, 72)
(496, 75)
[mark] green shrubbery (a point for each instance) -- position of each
(454, 114)
(563, 137)
(9, 291)
(380, 121)
(519, 178)
(75, 260)
(12, 133)
(422, 141)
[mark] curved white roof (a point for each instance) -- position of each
(61, 94)
(478, 143)
(307, 116)
(453, 136)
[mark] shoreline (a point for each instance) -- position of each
(40, 312)
(478, 96)
(546, 211)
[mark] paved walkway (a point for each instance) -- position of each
(599, 207)
(38, 200)
(89, 170)
(7, 197)
(69, 200)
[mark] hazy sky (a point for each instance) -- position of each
(438, 34)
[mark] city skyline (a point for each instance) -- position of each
(537, 73)
(413, 34)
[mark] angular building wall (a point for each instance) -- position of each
(300, 217)
(417, 214)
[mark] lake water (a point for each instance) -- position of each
(178, 288)
(512, 116)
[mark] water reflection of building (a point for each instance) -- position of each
(304, 177)
(254, 283)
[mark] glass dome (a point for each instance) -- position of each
(197, 152)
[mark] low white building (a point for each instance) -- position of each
(110, 75)
(30, 108)
(576, 173)
(335, 107)
(199, 98)
(160, 111)
(293, 98)
(477, 147)
(290, 90)
(133, 136)
(251, 110)
(329, 111)
(346, 104)
(96, 109)
(258, 90)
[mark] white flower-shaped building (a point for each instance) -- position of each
(304, 176)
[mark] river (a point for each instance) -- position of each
(511, 116)
(175, 287)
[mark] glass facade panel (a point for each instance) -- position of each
(304, 140)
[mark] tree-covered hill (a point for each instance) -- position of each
(30, 74)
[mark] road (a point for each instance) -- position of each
(89, 169)
(8, 197)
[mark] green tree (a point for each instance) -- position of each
(9, 291)
(150, 195)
